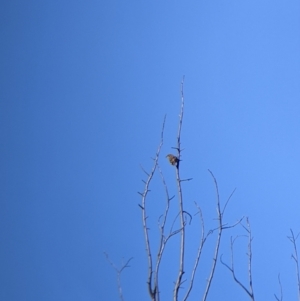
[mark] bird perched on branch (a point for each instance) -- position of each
(172, 159)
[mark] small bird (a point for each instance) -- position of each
(172, 159)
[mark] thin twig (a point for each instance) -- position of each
(163, 240)
(224, 227)
(281, 294)
(249, 291)
(118, 271)
(220, 217)
(199, 252)
(172, 226)
(250, 258)
(189, 179)
(220, 228)
(152, 290)
(228, 200)
(295, 257)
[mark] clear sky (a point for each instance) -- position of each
(84, 88)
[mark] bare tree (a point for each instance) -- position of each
(184, 217)
(178, 228)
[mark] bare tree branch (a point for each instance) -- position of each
(220, 228)
(295, 257)
(232, 226)
(181, 210)
(281, 295)
(163, 239)
(189, 179)
(250, 259)
(249, 291)
(219, 213)
(152, 290)
(228, 200)
(200, 248)
(118, 271)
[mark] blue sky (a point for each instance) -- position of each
(84, 89)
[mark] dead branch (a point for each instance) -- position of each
(220, 217)
(189, 179)
(151, 289)
(281, 295)
(163, 239)
(180, 200)
(249, 290)
(199, 252)
(229, 198)
(119, 272)
(295, 257)
(220, 228)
